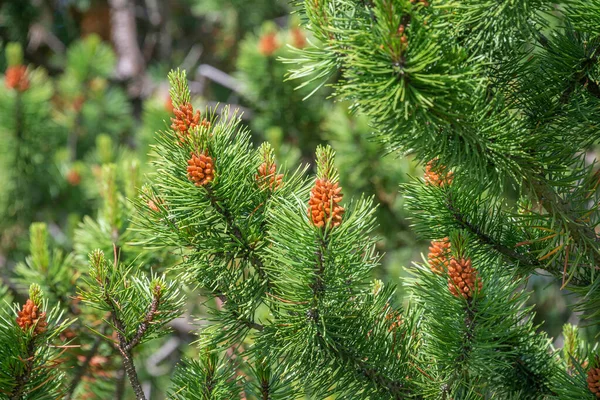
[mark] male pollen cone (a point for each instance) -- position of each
(436, 175)
(185, 120)
(30, 316)
(268, 44)
(323, 206)
(593, 381)
(269, 179)
(16, 78)
(462, 278)
(200, 169)
(439, 253)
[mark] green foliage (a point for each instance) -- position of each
(28, 360)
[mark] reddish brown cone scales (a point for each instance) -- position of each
(463, 278)
(200, 169)
(439, 254)
(31, 316)
(16, 78)
(593, 381)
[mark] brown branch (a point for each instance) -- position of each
(148, 318)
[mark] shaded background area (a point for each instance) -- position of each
(79, 145)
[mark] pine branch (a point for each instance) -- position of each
(488, 240)
(143, 327)
(255, 261)
(553, 204)
(82, 369)
(249, 323)
(23, 378)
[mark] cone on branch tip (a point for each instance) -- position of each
(16, 78)
(185, 120)
(439, 255)
(437, 174)
(268, 44)
(268, 177)
(463, 279)
(30, 316)
(200, 169)
(324, 204)
(593, 381)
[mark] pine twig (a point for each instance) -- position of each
(80, 373)
(23, 378)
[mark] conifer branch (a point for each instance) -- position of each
(249, 323)
(143, 327)
(553, 204)
(23, 378)
(486, 239)
(82, 369)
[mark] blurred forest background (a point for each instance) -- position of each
(91, 78)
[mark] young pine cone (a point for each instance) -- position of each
(201, 169)
(268, 44)
(436, 175)
(16, 78)
(593, 381)
(185, 120)
(439, 253)
(30, 316)
(324, 205)
(269, 179)
(462, 278)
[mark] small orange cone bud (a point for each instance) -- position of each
(73, 177)
(463, 278)
(436, 175)
(324, 205)
(268, 44)
(30, 316)
(439, 254)
(16, 78)
(186, 120)
(268, 177)
(298, 38)
(200, 169)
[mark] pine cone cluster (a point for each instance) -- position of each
(185, 120)
(324, 202)
(439, 254)
(201, 169)
(269, 179)
(268, 44)
(16, 78)
(436, 175)
(462, 278)
(593, 381)
(30, 316)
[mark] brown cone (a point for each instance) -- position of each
(439, 253)
(462, 278)
(16, 78)
(30, 316)
(268, 179)
(436, 175)
(200, 169)
(323, 206)
(593, 381)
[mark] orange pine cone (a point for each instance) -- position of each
(298, 38)
(436, 175)
(30, 316)
(462, 278)
(201, 169)
(269, 179)
(323, 206)
(73, 177)
(268, 44)
(593, 381)
(186, 120)
(16, 78)
(439, 252)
